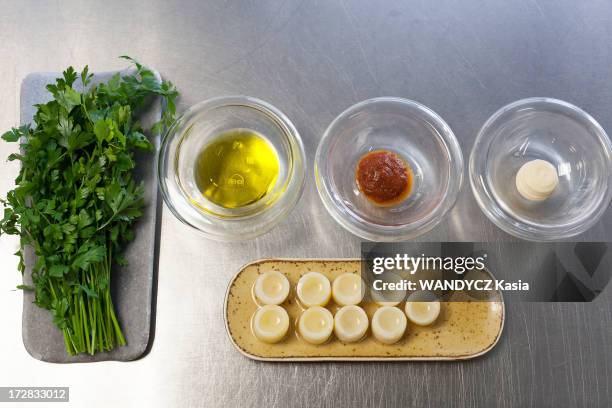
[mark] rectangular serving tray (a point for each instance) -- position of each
(463, 331)
(133, 287)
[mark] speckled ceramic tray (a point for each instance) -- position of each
(463, 330)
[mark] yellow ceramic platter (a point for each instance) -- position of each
(464, 329)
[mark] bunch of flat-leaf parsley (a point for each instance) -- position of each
(75, 199)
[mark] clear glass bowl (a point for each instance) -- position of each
(198, 127)
(551, 130)
(409, 129)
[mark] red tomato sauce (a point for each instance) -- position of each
(383, 177)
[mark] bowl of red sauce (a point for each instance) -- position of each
(388, 169)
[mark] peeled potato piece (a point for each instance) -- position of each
(316, 325)
(350, 323)
(270, 323)
(422, 313)
(314, 289)
(536, 180)
(271, 288)
(348, 289)
(389, 324)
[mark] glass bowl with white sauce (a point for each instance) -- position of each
(541, 169)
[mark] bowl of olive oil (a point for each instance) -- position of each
(238, 168)
(231, 167)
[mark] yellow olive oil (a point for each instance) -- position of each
(237, 169)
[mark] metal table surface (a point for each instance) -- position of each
(313, 59)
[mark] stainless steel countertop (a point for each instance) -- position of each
(313, 59)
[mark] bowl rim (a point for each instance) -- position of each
(496, 212)
(386, 233)
(295, 179)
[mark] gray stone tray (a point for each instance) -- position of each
(133, 287)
